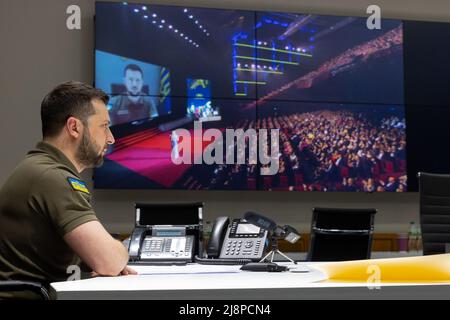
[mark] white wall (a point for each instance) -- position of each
(37, 52)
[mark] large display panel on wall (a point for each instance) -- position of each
(331, 86)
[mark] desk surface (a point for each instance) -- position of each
(203, 282)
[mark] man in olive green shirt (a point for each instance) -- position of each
(46, 219)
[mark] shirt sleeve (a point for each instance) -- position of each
(67, 208)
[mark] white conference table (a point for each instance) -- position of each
(205, 282)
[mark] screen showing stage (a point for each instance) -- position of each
(183, 79)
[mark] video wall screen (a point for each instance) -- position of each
(427, 99)
(331, 88)
(337, 147)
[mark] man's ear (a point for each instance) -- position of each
(73, 126)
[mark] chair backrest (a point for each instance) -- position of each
(434, 190)
(22, 286)
(339, 234)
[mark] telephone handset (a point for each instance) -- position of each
(134, 246)
(235, 241)
(218, 232)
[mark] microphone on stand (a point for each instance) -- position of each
(260, 221)
(286, 232)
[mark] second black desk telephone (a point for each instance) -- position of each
(236, 240)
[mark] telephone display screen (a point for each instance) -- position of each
(247, 228)
(169, 233)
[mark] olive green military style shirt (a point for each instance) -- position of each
(42, 200)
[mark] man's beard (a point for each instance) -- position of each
(135, 93)
(88, 153)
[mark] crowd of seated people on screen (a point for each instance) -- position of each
(384, 45)
(323, 151)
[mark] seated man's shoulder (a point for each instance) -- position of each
(32, 169)
(62, 179)
(48, 175)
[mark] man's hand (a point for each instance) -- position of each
(125, 272)
(128, 271)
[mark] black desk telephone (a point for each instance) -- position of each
(237, 242)
(166, 233)
(163, 243)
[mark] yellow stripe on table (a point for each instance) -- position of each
(432, 268)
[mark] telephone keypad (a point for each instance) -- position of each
(242, 248)
(165, 248)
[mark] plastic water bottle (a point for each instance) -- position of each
(419, 245)
(412, 236)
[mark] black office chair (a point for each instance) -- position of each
(339, 234)
(434, 190)
(22, 286)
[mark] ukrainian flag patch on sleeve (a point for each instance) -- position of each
(78, 185)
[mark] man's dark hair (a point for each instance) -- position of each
(70, 99)
(133, 67)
